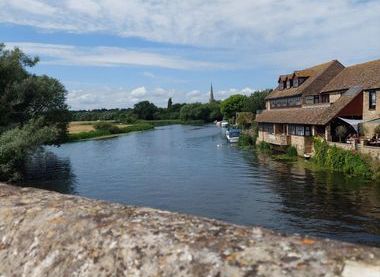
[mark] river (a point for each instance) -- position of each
(192, 169)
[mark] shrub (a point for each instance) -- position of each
(377, 130)
(341, 132)
(337, 159)
(264, 147)
(246, 140)
(106, 126)
(291, 151)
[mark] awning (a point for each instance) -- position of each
(353, 122)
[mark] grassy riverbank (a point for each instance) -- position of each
(330, 158)
(158, 123)
(82, 130)
(98, 130)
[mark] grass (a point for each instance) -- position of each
(336, 159)
(116, 130)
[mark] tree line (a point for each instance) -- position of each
(206, 112)
(33, 111)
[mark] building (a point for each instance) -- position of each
(316, 100)
(211, 98)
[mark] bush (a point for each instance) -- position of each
(264, 147)
(106, 126)
(246, 140)
(18, 143)
(337, 159)
(377, 130)
(291, 151)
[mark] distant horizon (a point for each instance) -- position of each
(113, 54)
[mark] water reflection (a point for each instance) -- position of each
(46, 170)
(194, 170)
(341, 208)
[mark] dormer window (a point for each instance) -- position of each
(289, 83)
(295, 82)
(280, 85)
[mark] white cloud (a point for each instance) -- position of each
(107, 56)
(107, 97)
(138, 92)
(255, 33)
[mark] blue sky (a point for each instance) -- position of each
(114, 53)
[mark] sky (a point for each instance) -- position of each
(115, 53)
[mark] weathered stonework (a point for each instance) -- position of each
(48, 234)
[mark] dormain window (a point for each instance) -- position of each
(299, 130)
(372, 99)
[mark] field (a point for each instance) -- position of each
(76, 127)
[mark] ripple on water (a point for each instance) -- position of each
(194, 170)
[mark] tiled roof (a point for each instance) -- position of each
(319, 115)
(366, 75)
(318, 77)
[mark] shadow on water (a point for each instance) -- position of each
(45, 170)
(194, 170)
(327, 204)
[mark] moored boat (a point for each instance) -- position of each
(233, 135)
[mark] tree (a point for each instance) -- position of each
(145, 110)
(377, 130)
(232, 105)
(170, 103)
(33, 111)
(341, 132)
(256, 101)
(245, 119)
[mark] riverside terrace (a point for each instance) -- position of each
(316, 100)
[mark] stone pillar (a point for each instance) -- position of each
(328, 136)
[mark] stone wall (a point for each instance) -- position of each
(48, 234)
(367, 113)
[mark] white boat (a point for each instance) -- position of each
(233, 135)
(224, 124)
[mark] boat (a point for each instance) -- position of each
(233, 135)
(224, 124)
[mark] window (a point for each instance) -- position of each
(316, 99)
(268, 127)
(299, 130)
(326, 98)
(309, 100)
(288, 84)
(372, 99)
(295, 82)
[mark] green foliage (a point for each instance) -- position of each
(337, 159)
(264, 147)
(105, 129)
(245, 119)
(341, 132)
(256, 101)
(170, 103)
(377, 130)
(232, 105)
(246, 140)
(17, 143)
(291, 151)
(108, 127)
(206, 112)
(32, 111)
(145, 110)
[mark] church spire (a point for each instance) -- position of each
(212, 99)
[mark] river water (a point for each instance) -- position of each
(192, 169)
